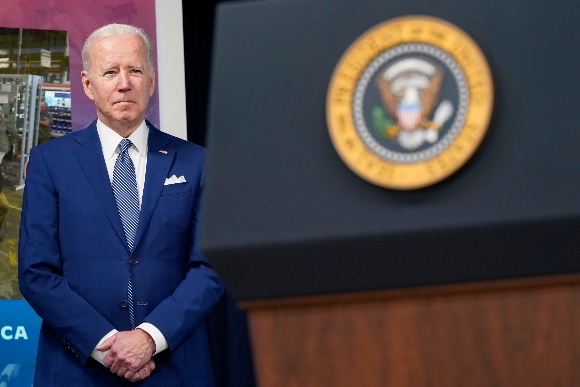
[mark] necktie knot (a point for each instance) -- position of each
(124, 145)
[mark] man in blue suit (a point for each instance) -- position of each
(108, 254)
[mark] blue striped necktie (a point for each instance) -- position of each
(127, 198)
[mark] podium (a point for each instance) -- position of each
(471, 281)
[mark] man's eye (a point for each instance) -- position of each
(136, 71)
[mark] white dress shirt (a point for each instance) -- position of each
(138, 152)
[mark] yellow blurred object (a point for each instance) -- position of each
(393, 131)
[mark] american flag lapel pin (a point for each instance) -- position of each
(163, 151)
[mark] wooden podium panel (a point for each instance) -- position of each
(508, 333)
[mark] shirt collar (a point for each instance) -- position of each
(110, 139)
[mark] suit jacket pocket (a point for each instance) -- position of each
(176, 188)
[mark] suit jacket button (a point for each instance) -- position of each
(133, 261)
(124, 304)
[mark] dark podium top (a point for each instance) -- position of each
(283, 215)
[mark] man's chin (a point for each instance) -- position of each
(127, 116)
(122, 122)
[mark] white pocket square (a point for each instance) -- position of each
(174, 180)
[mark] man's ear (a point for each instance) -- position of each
(87, 84)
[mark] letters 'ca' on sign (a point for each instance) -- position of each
(409, 102)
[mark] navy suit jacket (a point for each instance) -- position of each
(74, 263)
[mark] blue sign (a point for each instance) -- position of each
(19, 329)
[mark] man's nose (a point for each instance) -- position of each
(124, 81)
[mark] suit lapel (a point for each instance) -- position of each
(89, 155)
(158, 165)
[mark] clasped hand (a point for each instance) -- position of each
(129, 354)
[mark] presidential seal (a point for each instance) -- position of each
(409, 102)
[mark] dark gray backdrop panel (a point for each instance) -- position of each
(283, 216)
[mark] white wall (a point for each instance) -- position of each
(170, 67)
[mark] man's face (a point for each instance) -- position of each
(120, 81)
(43, 106)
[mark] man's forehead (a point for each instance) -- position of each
(118, 45)
(118, 40)
(118, 51)
(114, 65)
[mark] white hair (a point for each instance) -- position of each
(115, 30)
